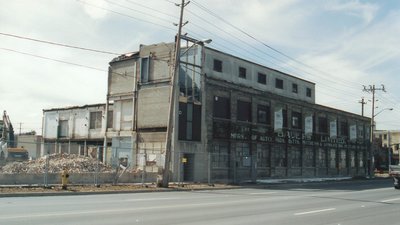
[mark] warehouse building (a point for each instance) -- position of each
(233, 120)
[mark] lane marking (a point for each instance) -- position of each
(261, 193)
(390, 200)
(314, 211)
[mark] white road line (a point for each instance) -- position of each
(261, 193)
(390, 200)
(314, 211)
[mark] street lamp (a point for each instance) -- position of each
(372, 152)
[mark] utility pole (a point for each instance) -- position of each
(371, 89)
(174, 75)
(362, 102)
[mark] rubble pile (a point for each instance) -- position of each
(73, 163)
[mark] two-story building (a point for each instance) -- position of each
(75, 130)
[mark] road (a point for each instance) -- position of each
(340, 203)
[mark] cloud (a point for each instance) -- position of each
(365, 11)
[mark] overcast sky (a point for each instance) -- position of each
(339, 45)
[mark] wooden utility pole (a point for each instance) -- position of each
(362, 102)
(171, 114)
(371, 89)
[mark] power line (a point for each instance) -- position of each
(122, 14)
(59, 44)
(62, 61)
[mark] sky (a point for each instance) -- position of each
(340, 45)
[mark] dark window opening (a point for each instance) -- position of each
(263, 114)
(262, 78)
(110, 119)
(294, 88)
(279, 83)
(63, 129)
(217, 65)
(244, 111)
(308, 92)
(322, 125)
(296, 120)
(222, 107)
(95, 120)
(189, 122)
(344, 129)
(242, 72)
(284, 118)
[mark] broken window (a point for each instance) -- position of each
(244, 111)
(294, 88)
(95, 120)
(63, 129)
(242, 72)
(262, 78)
(217, 66)
(278, 83)
(222, 107)
(309, 92)
(322, 125)
(263, 114)
(296, 120)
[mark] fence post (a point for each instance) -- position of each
(46, 171)
(96, 175)
(209, 169)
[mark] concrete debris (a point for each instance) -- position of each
(73, 163)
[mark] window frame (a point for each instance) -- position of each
(242, 72)
(217, 65)
(262, 78)
(279, 83)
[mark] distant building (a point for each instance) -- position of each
(234, 120)
(387, 143)
(30, 142)
(74, 130)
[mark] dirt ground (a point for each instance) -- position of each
(105, 188)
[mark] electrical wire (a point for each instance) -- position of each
(58, 44)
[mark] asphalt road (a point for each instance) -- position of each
(373, 202)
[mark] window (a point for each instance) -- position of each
(95, 120)
(217, 65)
(222, 107)
(294, 88)
(263, 114)
(144, 69)
(284, 118)
(262, 78)
(278, 83)
(385, 137)
(243, 111)
(242, 72)
(308, 92)
(344, 128)
(220, 156)
(263, 159)
(110, 119)
(189, 122)
(243, 154)
(63, 129)
(296, 120)
(322, 125)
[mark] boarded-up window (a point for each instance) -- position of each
(222, 107)
(244, 111)
(95, 120)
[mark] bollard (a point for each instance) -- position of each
(64, 179)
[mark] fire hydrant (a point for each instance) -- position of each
(64, 179)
